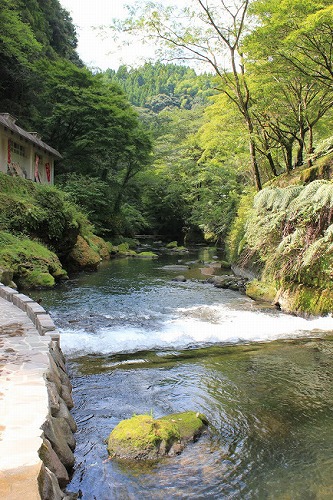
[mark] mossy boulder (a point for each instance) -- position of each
(100, 246)
(190, 424)
(37, 279)
(147, 255)
(6, 276)
(144, 438)
(83, 256)
(305, 300)
(225, 264)
(172, 244)
(260, 290)
(123, 250)
(179, 250)
(31, 265)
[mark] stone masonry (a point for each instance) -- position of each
(36, 427)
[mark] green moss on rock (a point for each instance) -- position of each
(83, 256)
(172, 244)
(260, 290)
(189, 423)
(143, 438)
(30, 263)
(100, 246)
(147, 255)
(306, 300)
(36, 279)
(225, 264)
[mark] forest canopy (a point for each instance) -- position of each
(165, 148)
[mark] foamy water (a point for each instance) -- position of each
(194, 327)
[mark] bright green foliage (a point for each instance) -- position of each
(302, 33)
(31, 31)
(194, 180)
(17, 39)
(157, 86)
(236, 240)
(41, 211)
(290, 231)
(290, 62)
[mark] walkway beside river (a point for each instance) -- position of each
(24, 361)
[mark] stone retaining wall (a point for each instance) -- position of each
(54, 440)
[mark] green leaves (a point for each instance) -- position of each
(17, 39)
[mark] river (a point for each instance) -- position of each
(138, 342)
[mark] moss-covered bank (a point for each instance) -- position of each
(285, 234)
(43, 235)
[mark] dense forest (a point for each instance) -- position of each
(166, 149)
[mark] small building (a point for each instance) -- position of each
(24, 154)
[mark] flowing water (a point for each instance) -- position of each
(137, 342)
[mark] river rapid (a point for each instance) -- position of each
(138, 342)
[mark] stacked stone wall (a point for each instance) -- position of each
(56, 458)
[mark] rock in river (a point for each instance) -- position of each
(144, 438)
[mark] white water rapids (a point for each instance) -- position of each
(195, 326)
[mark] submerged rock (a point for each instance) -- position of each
(144, 438)
(176, 267)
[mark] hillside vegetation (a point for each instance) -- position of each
(285, 234)
(165, 150)
(43, 235)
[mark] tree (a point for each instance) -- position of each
(207, 32)
(90, 122)
(97, 132)
(289, 101)
(18, 49)
(177, 82)
(301, 33)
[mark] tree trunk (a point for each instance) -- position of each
(253, 152)
(254, 162)
(310, 146)
(271, 163)
(299, 157)
(289, 156)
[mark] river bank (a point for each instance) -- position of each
(36, 428)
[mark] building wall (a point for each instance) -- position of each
(21, 158)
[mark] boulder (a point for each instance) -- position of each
(54, 432)
(144, 438)
(179, 278)
(6, 276)
(262, 291)
(83, 256)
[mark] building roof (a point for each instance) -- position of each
(9, 121)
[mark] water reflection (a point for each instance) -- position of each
(270, 407)
(152, 345)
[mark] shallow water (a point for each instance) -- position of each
(138, 343)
